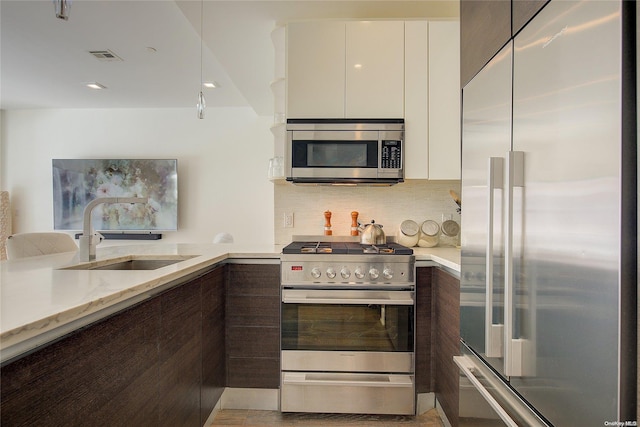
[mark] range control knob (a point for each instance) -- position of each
(345, 273)
(315, 272)
(374, 273)
(331, 273)
(359, 273)
(387, 273)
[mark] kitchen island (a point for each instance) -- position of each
(41, 301)
(79, 343)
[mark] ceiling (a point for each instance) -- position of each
(45, 62)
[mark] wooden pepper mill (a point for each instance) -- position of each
(327, 223)
(354, 223)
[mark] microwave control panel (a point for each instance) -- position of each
(391, 155)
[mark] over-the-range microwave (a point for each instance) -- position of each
(345, 151)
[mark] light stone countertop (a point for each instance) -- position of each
(40, 301)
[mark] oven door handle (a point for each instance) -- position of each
(350, 380)
(304, 296)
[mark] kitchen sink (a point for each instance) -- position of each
(131, 263)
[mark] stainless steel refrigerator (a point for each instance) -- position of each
(549, 223)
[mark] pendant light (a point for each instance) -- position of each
(201, 101)
(62, 9)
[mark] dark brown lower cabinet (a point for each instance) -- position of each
(145, 366)
(166, 361)
(446, 342)
(438, 337)
(424, 367)
(101, 375)
(213, 341)
(253, 326)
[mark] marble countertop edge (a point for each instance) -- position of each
(42, 301)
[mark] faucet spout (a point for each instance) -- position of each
(88, 241)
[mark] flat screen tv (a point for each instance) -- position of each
(76, 182)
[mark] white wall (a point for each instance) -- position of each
(222, 163)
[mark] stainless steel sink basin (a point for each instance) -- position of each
(131, 263)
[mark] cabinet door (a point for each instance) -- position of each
(375, 69)
(424, 317)
(213, 336)
(444, 100)
(485, 28)
(416, 115)
(315, 69)
(446, 341)
(104, 374)
(522, 11)
(253, 326)
(180, 350)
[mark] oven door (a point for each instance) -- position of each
(336, 330)
(347, 351)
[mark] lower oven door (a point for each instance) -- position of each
(347, 393)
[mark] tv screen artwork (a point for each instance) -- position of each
(76, 182)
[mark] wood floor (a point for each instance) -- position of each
(250, 417)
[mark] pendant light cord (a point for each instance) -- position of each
(201, 37)
(201, 101)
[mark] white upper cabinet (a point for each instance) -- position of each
(315, 69)
(432, 100)
(374, 69)
(345, 69)
(383, 69)
(444, 100)
(416, 114)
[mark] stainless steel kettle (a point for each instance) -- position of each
(372, 234)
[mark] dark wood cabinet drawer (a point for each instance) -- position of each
(254, 372)
(255, 279)
(249, 310)
(254, 342)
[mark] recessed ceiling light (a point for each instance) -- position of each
(95, 85)
(210, 85)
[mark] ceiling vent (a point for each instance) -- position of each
(105, 55)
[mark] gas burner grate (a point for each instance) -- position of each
(352, 248)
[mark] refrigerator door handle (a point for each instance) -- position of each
(519, 353)
(493, 331)
(467, 367)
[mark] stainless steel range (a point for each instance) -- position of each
(347, 328)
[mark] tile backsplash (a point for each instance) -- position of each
(418, 200)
